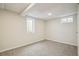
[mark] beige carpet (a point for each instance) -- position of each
(43, 48)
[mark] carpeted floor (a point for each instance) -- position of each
(43, 48)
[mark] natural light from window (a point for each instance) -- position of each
(30, 23)
(67, 20)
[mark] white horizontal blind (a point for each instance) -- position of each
(30, 23)
(67, 20)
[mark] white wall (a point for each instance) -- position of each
(63, 33)
(13, 31)
(78, 27)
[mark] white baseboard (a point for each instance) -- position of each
(20, 46)
(63, 42)
(31, 43)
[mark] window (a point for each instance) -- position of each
(70, 19)
(67, 20)
(30, 24)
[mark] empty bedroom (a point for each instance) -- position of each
(39, 29)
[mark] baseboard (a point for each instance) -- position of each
(31, 44)
(62, 42)
(20, 46)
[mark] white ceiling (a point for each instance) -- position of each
(15, 7)
(41, 10)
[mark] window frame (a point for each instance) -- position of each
(67, 20)
(28, 29)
